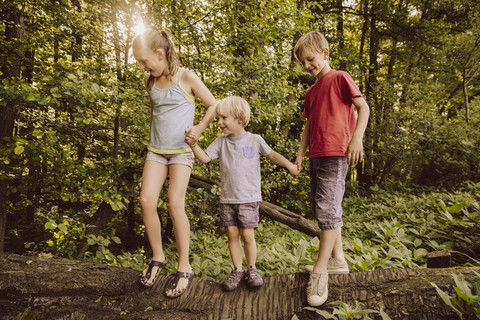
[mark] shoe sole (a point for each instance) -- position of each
(316, 300)
(309, 268)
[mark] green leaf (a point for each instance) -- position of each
(19, 149)
(456, 208)
(116, 240)
(476, 288)
(62, 227)
(384, 315)
(446, 298)
(37, 133)
(50, 225)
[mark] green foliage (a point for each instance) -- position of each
(82, 115)
(398, 229)
(466, 303)
(346, 311)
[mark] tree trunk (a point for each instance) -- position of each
(465, 97)
(52, 288)
(11, 69)
(100, 219)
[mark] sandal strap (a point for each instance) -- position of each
(155, 263)
(179, 275)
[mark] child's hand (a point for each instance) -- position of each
(298, 163)
(191, 137)
(355, 152)
(294, 171)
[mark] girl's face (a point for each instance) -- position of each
(314, 62)
(151, 61)
(230, 125)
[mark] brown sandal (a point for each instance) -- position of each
(174, 283)
(144, 278)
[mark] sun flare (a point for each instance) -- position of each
(139, 27)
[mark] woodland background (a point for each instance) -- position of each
(74, 125)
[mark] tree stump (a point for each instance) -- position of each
(54, 288)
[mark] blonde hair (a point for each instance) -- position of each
(313, 40)
(154, 40)
(235, 106)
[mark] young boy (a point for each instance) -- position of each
(334, 137)
(239, 154)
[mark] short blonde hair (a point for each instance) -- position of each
(235, 106)
(314, 40)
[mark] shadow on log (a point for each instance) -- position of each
(53, 288)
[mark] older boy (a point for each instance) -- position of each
(334, 137)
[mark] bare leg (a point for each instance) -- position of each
(328, 239)
(179, 177)
(250, 247)
(338, 248)
(235, 247)
(153, 178)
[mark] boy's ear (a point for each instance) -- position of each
(325, 52)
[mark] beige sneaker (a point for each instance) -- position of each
(317, 289)
(333, 267)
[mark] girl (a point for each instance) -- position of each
(172, 91)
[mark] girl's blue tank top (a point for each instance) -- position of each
(173, 112)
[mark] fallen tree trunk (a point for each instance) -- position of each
(269, 210)
(53, 288)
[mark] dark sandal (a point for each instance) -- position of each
(144, 278)
(174, 283)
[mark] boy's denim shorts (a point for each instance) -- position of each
(186, 158)
(243, 215)
(327, 187)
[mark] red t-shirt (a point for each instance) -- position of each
(330, 110)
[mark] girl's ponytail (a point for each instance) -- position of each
(154, 40)
(170, 53)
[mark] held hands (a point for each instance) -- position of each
(192, 134)
(298, 164)
(294, 171)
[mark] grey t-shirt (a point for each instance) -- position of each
(239, 166)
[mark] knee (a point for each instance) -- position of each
(175, 206)
(233, 234)
(147, 202)
(248, 236)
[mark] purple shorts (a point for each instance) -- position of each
(242, 215)
(186, 158)
(327, 187)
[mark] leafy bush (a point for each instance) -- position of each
(466, 303)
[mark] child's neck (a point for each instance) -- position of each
(324, 71)
(238, 133)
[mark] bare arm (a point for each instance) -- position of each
(200, 154)
(355, 147)
(145, 82)
(192, 84)
(282, 161)
(302, 149)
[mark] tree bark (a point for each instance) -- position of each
(53, 288)
(100, 219)
(15, 33)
